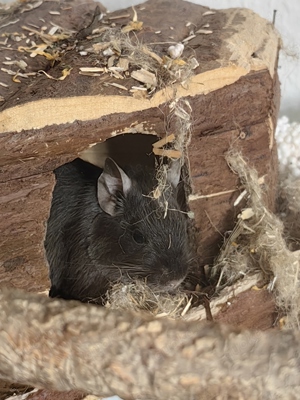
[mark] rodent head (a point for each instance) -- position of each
(137, 236)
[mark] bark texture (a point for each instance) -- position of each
(67, 345)
(233, 96)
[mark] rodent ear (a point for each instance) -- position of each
(174, 171)
(112, 181)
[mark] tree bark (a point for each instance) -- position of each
(68, 345)
(233, 96)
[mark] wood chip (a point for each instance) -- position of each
(153, 55)
(34, 26)
(144, 76)
(111, 61)
(98, 47)
(162, 142)
(119, 17)
(123, 64)
(9, 23)
(66, 72)
(15, 79)
(193, 63)
(116, 85)
(134, 88)
(115, 73)
(21, 64)
(92, 69)
(8, 71)
(32, 6)
(167, 153)
(54, 12)
(208, 13)
(2, 98)
(187, 39)
(89, 73)
(4, 85)
(247, 213)
(132, 26)
(204, 31)
(53, 30)
(108, 52)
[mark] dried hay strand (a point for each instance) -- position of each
(137, 297)
(257, 243)
(255, 250)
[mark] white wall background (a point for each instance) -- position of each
(288, 24)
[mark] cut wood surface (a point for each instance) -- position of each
(233, 95)
(67, 345)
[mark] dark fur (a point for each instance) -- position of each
(87, 249)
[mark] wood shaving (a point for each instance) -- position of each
(66, 72)
(92, 69)
(15, 79)
(132, 26)
(204, 31)
(89, 73)
(31, 6)
(119, 17)
(208, 13)
(187, 39)
(135, 17)
(111, 61)
(8, 71)
(145, 76)
(53, 30)
(108, 52)
(54, 12)
(123, 64)
(193, 63)
(115, 73)
(9, 23)
(116, 85)
(139, 88)
(21, 64)
(47, 38)
(162, 142)
(153, 55)
(247, 213)
(98, 47)
(167, 153)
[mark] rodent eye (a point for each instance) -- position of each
(138, 237)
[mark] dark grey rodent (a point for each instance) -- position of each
(105, 227)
